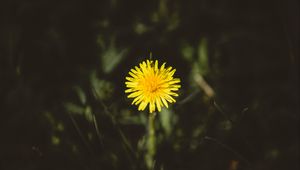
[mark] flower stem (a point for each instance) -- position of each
(151, 146)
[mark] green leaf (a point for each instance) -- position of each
(73, 108)
(111, 58)
(203, 57)
(81, 94)
(166, 120)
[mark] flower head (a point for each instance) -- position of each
(149, 84)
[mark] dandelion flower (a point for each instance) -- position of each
(149, 84)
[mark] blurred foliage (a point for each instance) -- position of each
(63, 66)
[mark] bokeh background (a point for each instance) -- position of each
(63, 66)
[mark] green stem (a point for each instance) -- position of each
(151, 146)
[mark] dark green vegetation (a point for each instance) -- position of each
(63, 66)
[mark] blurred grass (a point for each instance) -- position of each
(62, 72)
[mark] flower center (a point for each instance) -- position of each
(153, 88)
(151, 85)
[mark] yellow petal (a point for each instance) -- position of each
(172, 94)
(151, 107)
(130, 90)
(169, 98)
(156, 66)
(133, 75)
(164, 101)
(142, 106)
(162, 67)
(137, 100)
(158, 104)
(130, 79)
(174, 81)
(172, 72)
(135, 94)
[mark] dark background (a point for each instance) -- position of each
(63, 66)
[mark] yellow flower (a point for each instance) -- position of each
(149, 84)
